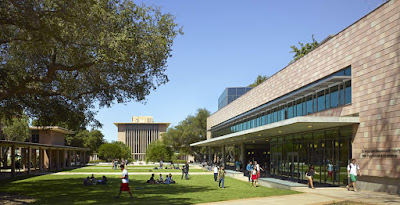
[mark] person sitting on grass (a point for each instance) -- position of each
(102, 181)
(92, 179)
(167, 180)
(86, 182)
(151, 180)
(170, 177)
(161, 180)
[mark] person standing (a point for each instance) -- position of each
(125, 182)
(186, 171)
(249, 169)
(215, 173)
(352, 169)
(183, 171)
(161, 164)
(258, 168)
(254, 176)
(221, 177)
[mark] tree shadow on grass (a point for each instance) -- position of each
(70, 190)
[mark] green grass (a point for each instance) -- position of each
(69, 189)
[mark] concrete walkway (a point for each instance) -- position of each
(320, 196)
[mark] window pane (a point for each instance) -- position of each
(334, 96)
(299, 108)
(327, 101)
(347, 92)
(231, 91)
(290, 111)
(321, 101)
(309, 104)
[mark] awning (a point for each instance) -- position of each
(290, 126)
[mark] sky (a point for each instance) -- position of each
(228, 44)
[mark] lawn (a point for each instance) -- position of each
(69, 189)
(149, 169)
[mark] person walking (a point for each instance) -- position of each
(221, 177)
(310, 176)
(352, 170)
(249, 169)
(254, 177)
(215, 173)
(258, 168)
(125, 182)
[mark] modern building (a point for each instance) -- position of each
(340, 101)
(230, 94)
(139, 133)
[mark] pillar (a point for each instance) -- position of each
(13, 160)
(84, 158)
(22, 152)
(57, 159)
(243, 155)
(69, 158)
(209, 155)
(50, 158)
(63, 159)
(41, 159)
(29, 158)
(76, 157)
(34, 159)
(223, 156)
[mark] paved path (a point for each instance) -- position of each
(320, 196)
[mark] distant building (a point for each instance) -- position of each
(230, 94)
(139, 133)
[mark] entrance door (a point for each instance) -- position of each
(276, 164)
(293, 165)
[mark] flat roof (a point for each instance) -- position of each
(294, 125)
(52, 128)
(36, 145)
(141, 123)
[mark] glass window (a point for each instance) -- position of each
(334, 95)
(341, 94)
(327, 101)
(347, 71)
(240, 91)
(299, 108)
(275, 116)
(314, 103)
(290, 111)
(231, 91)
(308, 103)
(231, 98)
(269, 118)
(321, 101)
(347, 92)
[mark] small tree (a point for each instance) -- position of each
(304, 49)
(259, 80)
(157, 151)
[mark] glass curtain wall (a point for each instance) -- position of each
(328, 150)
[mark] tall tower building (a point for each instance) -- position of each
(139, 133)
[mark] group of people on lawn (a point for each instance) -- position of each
(92, 180)
(168, 179)
(254, 172)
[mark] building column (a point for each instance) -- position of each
(50, 158)
(69, 158)
(209, 156)
(29, 157)
(63, 159)
(57, 159)
(223, 156)
(76, 157)
(41, 159)
(34, 155)
(84, 158)
(13, 160)
(22, 152)
(243, 155)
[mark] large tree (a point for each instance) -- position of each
(59, 58)
(188, 131)
(90, 139)
(114, 150)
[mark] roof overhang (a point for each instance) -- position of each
(290, 126)
(52, 128)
